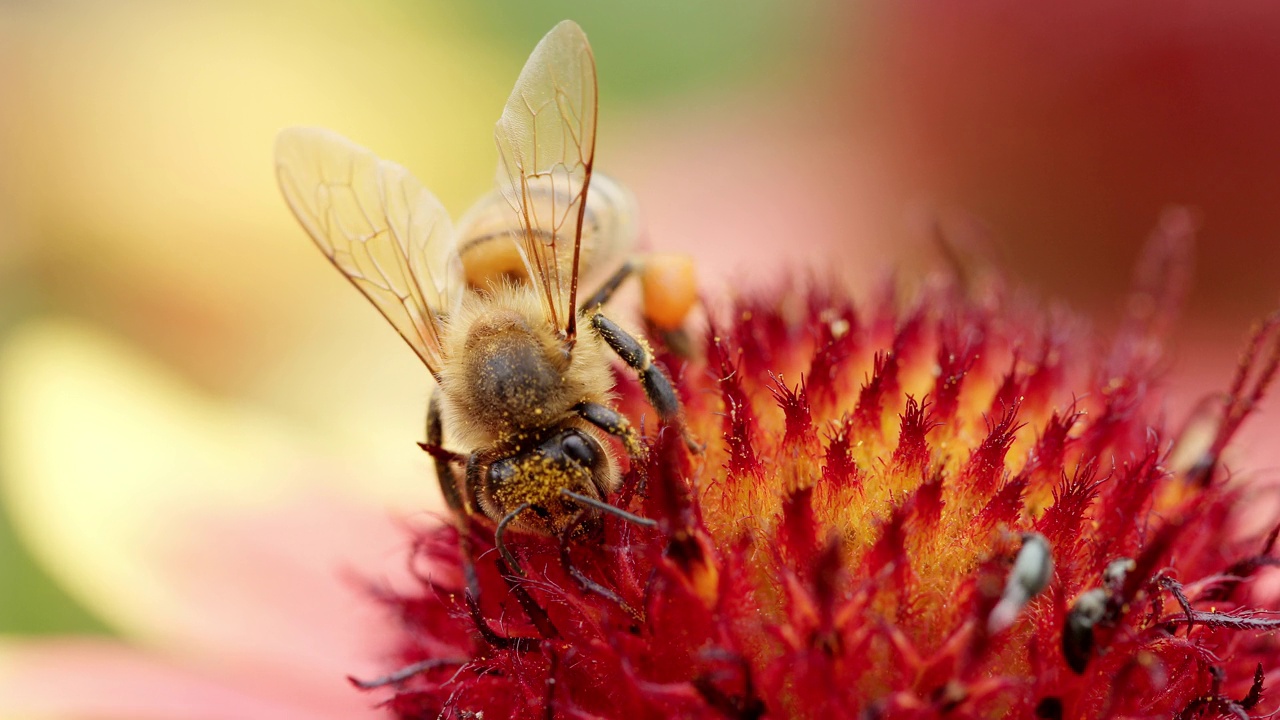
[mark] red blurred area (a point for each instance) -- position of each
(1066, 128)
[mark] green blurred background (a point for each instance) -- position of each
(136, 190)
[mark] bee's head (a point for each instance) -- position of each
(570, 459)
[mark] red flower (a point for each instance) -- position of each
(951, 505)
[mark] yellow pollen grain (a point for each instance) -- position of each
(538, 482)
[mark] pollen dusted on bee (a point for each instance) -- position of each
(540, 481)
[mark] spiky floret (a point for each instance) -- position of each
(870, 479)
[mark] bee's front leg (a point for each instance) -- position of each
(478, 483)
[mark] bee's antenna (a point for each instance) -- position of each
(502, 531)
(603, 507)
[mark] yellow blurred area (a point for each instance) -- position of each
(140, 136)
(114, 447)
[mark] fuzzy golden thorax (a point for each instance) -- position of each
(508, 375)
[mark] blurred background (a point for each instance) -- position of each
(138, 203)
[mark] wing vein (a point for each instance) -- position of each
(387, 234)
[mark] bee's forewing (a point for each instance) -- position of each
(386, 232)
(546, 144)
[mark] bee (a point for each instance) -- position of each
(521, 364)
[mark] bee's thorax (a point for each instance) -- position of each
(509, 375)
(513, 372)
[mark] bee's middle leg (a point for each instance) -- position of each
(612, 422)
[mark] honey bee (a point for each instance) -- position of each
(521, 365)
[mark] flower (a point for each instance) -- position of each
(958, 507)
(224, 547)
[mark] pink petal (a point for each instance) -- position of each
(286, 588)
(79, 678)
(1207, 366)
(196, 528)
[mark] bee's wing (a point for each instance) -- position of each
(609, 227)
(546, 145)
(386, 232)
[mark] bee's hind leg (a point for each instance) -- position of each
(445, 460)
(452, 484)
(460, 506)
(592, 304)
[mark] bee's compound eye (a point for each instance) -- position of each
(502, 470)
(578, 450)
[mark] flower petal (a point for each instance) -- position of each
(97, 679)
(194, 527)
(280, 585)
